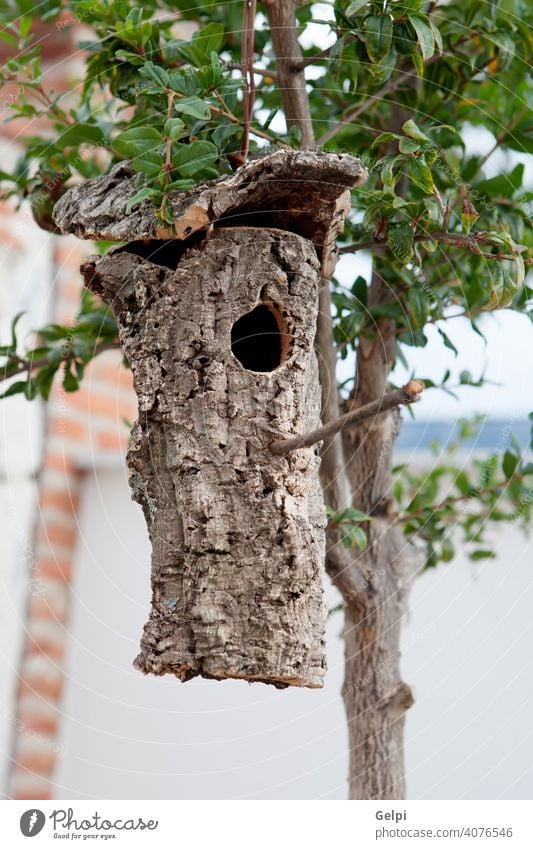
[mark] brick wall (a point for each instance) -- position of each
(81, 428)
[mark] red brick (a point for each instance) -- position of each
(112, 441)
(59, 570)
(65, 427)
(41, 685)
(59, 498)
(56, 533)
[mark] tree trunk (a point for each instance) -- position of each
(291, 78)
(221, 349)
(375, 698)
(374, 695)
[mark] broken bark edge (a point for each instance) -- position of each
(186, 673)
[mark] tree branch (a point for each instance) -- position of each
(28, 366)
(291, 79)
(408, 394)
(461, 240)
(261, 72)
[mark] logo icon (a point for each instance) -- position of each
(32, 822)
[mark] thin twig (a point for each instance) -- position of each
(408, 394)
(247, 42)
(460, 240)
(29, 366)
(261, 72)
(167, 168)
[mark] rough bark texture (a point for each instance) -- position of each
(290, 190)
(237, 534)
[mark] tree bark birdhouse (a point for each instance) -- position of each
(217, 318)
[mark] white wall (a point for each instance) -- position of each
(25, 286)
(467, 653)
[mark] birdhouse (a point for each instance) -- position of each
(217, 318)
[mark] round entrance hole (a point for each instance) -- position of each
(258, 341)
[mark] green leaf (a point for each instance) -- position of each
(378, 36)
(447, 341)
(223, 133)
(25, 25)
(357, 536)
(44, 380)
(400, 241)
(437, 36)
(504, 185)
(354, 515)
(354, 7)
(156, 74)
(381, 72)
(191, 159)
(18, 387)
(138, 198)
(426, 39)
(204, 42)
(142, 145)
(418, 307)
(414, 132)
(408, 146)
(180, 184)
(136, 141)
(482, 554)
(418, 63)
(14, 331)
(385, 137)
(173, 128)
(510, 464)
(411, 5)
(195, 107)
(12, 41)
(420, 174)
(70, 381)
(447, 550)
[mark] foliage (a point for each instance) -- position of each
(401, 85)
(458, 498)
(349, 522)
(65, 348)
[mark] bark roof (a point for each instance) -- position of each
(289, 190)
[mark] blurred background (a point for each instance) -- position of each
(76, 721)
